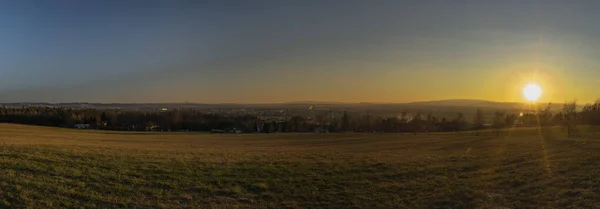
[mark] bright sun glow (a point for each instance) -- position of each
(532, 92)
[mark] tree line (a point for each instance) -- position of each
(324, 121)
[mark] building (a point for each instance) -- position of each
(151, 127)
(82, 126)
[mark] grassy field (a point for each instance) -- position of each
(60, 168)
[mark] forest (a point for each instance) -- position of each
(569, 116)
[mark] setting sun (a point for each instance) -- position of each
(532, 92)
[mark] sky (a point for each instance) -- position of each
(283, 51)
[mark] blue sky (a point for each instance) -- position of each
(277, 51)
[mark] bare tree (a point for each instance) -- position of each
(417, 123)
(459, 123)
(509, 120)
(570, 118)
(545, 116)
(478, 121)
(498, 122)
(430, 123)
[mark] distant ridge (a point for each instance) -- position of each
(448, 102)
(463, 102)
(435, 104)
(315, 102)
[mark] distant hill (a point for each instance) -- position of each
(315, 102)
(440, 106)
(456, 102)
(469, 103)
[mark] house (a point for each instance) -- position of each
(405, 119)
(321, 130)
(235, 131)
(82, 126)
(151, 127)
(214, 131)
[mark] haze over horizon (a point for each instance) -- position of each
(276, 51)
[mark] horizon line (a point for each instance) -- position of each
(290, 102)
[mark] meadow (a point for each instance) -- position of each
(42, 167)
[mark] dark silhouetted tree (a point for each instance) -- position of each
(510, 120)
(459, 123)
(417, 123)
(478, 122)
(104, 118)
(545, 116)
(570, 118)
(345, 122)
(590, 115)
(498, 122)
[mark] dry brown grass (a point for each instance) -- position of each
(62, 168)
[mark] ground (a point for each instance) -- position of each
(43, 167)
